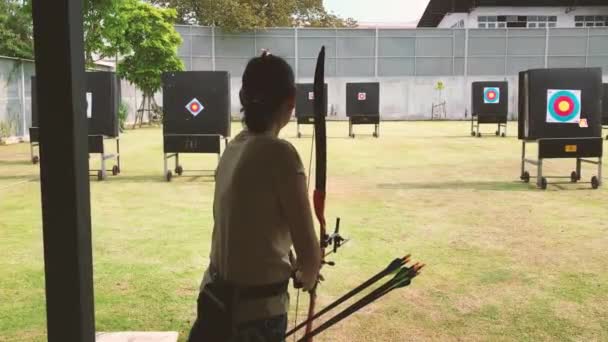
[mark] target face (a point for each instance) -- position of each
(89, 105)
(563, 106)
(491, 95)
(194, 107)
(362, 96)
(311, 95)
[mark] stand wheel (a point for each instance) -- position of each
(472, 133)
(574, 177)
(543, 183)
(100, 175)
(35, 160)
(607, 137)
(179, 170)
(115, 170)
(375, 135)
(479, 134)
(168, 176)
(525, 177)
(503, 135)
(352, 135)
(299, 135)
(497, 133)
(595, 182)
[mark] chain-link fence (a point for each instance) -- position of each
(408, 64)
(15, 96)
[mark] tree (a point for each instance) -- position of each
(243, 15)
(16, 29)
(151, 44)
(104, 26)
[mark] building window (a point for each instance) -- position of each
(590, 21)
(518, 21)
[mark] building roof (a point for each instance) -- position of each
(437, 9)
(384, 25)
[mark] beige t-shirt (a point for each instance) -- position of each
(251, 239)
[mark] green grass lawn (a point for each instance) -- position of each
(505, 261)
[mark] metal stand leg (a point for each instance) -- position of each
(473, 133)
(103, 165)
(350, 128)
(165, 166)
(118, 153)
(599, 171)
(176, 160)
(539, 173)
(298, 129)
(377, 130)
(523, 158)
(578, 169)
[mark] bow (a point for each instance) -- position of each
(320, 140)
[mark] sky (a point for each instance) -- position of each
(378, 10)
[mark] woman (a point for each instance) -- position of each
(261, 208)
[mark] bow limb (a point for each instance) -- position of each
(320, 171)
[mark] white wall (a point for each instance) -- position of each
(564, 20)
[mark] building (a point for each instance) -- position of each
(500, 14)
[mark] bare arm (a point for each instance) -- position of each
(298, 213)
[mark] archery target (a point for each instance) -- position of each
(194, 107)
(563, 106)
(491, 95)
(89, 105)
(362, 96)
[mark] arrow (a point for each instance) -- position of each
(402, 279)
(392, 267)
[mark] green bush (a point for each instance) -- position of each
(123, 111)
(6, 129)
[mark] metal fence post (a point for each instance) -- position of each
(376, 53)
(213, 47)
(23, 120)
(466, 69)
(336, 63)
(191, 45)
(587, 48)
(296, 52)
(506, 51)
(546, 48)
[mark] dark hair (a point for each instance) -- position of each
(267, 82)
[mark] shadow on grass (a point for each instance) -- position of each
(485, 186)
(160, 179)
(15, 162)
(21, 177)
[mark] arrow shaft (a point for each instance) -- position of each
(346, 312)
(371, 281)
(363, 302)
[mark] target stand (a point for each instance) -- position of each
(305, 114)
(584, 150)
(363, 106)
(560, 110)
(490, 106)
(34, 145)
(174, 144)
(97, 146)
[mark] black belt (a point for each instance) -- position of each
(256, 291)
